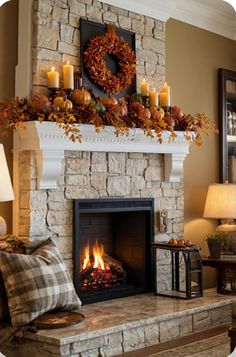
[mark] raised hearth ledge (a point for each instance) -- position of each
(50, 144)
(124, 325)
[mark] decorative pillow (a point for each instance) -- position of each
(8, 243)
(37, 283)
(4, 312)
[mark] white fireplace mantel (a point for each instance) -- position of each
(49, 143)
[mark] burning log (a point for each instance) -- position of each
(99, 270)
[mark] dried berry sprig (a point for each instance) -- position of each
(199, 124)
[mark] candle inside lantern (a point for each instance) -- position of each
(165, 96)
(153, 98)
(68, 76)
(53, 78)
(144, 86)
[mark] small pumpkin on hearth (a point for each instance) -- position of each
(63, 104)
(173, 241)
(81, 97)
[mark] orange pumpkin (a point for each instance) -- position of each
(63, 104)
(135, 107)
(123, 109)
(157, 112)
(173, 241)
(39, 102)
(144, 112)
(170, 121)
(81, 97)
(107, 102)
(120, 109)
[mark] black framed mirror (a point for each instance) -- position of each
(227, 125)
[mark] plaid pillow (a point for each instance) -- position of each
(8, 243)
(37, 283)
(4, 312)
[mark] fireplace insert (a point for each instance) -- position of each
(112, 254)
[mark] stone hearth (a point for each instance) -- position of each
(124, 325)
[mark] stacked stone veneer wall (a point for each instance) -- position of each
(45, 213)
(56, 37)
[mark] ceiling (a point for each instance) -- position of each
(216, 16)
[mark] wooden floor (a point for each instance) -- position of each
(211, 343)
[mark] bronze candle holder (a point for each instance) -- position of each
(53, 92)
(145, 100)
(69, 92)
(78, 81)
(167, 109)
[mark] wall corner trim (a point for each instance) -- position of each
(23, 71)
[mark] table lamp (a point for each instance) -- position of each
(232, 3)
(221, 204)
(6, 191)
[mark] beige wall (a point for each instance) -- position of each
(8, 60)
(193, 58)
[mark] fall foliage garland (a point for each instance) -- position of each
(15, 112)
(96, 66)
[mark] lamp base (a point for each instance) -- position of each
(3, 226)
(227, 225)
(228, 228)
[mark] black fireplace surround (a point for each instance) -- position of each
(125, 227)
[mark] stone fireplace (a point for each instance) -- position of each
(52, 175)
(50, 172)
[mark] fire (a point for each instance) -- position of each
(99, 271)
(86, 262)
(98, 252)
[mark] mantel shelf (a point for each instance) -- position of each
(50, 144)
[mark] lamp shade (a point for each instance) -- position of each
(232, 3)
(6, 191)
(3, 2)
(221, 201)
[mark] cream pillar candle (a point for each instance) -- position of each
(68, 76)
(144, 86)
(153, 98)
(53, 78)
(165, 96)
